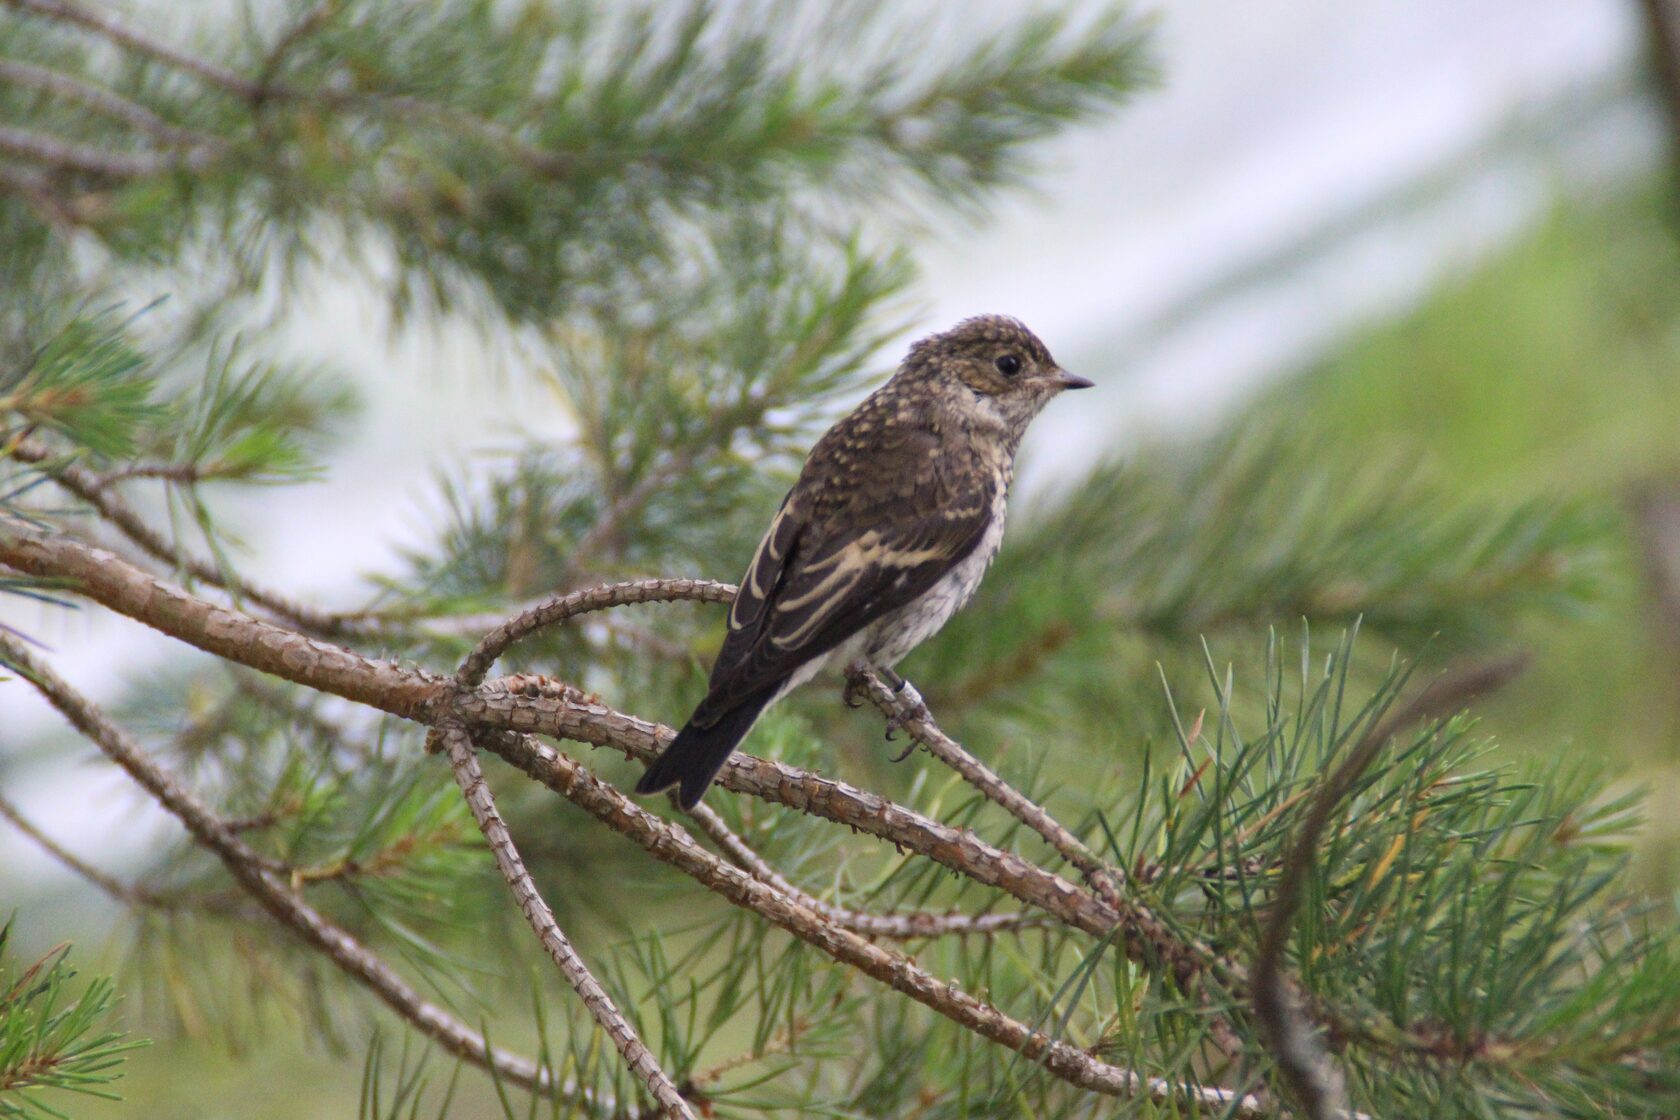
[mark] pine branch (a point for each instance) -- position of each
(635, 1053)
(63, 155)
(668, 843)
(520, 704)
(105, 882)
(658, 837)
(95, 490)
(264, 90)
(904, 708)
(904, 926)
(119, 33)
(501, 152)
(509, 703)
(50, 1040)
(533, 704)
(525, 703)
(249, 869)
(1278, 1006)
(105, 101)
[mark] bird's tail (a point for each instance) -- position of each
(698, 753)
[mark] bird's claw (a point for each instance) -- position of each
(893, 724)
(908, 707)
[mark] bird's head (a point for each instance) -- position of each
(994, 368)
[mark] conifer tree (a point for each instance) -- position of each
(1199, 823)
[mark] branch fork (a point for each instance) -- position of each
(501, 712)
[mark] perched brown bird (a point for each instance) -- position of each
(893, 521)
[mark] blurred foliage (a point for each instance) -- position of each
(1550, 371)
(693, 214)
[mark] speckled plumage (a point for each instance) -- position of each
(895, 517)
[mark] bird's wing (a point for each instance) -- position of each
(811, 586)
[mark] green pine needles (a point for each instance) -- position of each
(1129, 858)
(54, 1034)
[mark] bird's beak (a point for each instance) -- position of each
(1062, 379)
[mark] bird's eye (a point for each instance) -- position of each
(1008, 365)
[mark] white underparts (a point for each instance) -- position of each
(889, 638)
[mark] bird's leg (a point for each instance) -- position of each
(910, 708)
(908, 705)
(856, 689)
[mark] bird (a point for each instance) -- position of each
(895, 517)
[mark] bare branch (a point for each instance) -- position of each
(906, 926)
(92, 488)
(230, 634)
(222, 903)
(464, 761)
(562, 607)
(105, 882)
(269, 889)
(65, 155)
(534, 704)
(904, 708)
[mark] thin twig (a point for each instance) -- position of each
(258, 92)
(783, 1042)
(247, 868)
(108, 27)
(1285, 1025)
(562, 607)
(906, 709)
(104, 101)
(607, 527)
(122, 892)
(464, 761)
(66, 155)
(222, 903)
(904, 926)
(91, 488)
